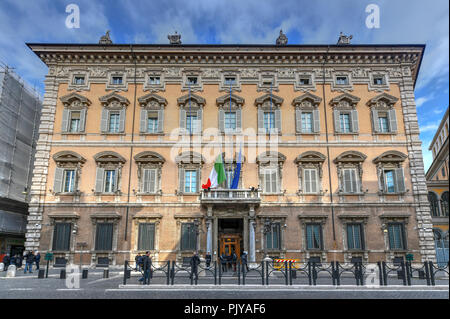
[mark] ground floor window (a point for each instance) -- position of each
(61, 236)
(146, 236)
(104, 236)
(396, 233)
(188, 236)
(314, 237)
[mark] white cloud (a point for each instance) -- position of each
(429, 127)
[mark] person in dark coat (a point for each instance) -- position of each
(146, 262)
(12, 261)
(6, 261)
(234, 260)
(37, 259)
(223, 262)
(19, 260)
(195, 261)
(208, 259)
(29, 259)
(244, 260)
(137, 261)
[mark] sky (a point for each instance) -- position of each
(239, 22)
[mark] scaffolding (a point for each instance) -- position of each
(20, 111)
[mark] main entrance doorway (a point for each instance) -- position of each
(230, 237)
(230, 243)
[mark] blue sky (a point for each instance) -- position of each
(239, 21)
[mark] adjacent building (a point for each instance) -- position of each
(20, 109)
(332, 164)
(437, 183)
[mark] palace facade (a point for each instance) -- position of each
(331, 158)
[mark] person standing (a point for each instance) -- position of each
(208, 259)
(223, 262)
(6, 261)
(137, 260)
(29, 258)
(244, 260)
(234, 260)
(37, 259)
(146, 260)
(19, 260)
(195, 261)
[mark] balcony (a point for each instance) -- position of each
(230, 196)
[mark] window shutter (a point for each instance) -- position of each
(116, 180)
(122, 120)
(313, 181)
(104, 236)
(376, 124)
(316, 121)
(392, 121)
(275, 182)
(182, 120)
(99, 179)
(381, 181)
(261, 129)
(239, 119)
(221, 120)
(181, 180)
(143, 121)
(298, 120)
(161, 120)
(152, 181)
(266, 177)
(347, 181)
(197, 180)
(354, 181)
(199, 121)
(104, 120)
(350, 237)
(307, 174)
(337, 123)
(361, 236)
(145, 179)
(278, 120)
(65, 120)
(309, 237)
(399, 180)
(356, 237)
(59, 176)
(83, 120)
(355, 126)
(146, 236)
(61, 237)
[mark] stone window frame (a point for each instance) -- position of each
(223, 103)
(149, 218)
(152, 88)
(74, 102)
(116, 87)
(68, 160)
(384, 103)
(350, 160)
(226, 87)
(113, 102)
(305, 87)
(363, 220)
(262, 104)
(310, 160)
(307, 102)
(63, 217)
(390, 160)
(108, 160)
(188, 218)
(305, 219)
(109, 217)
(149, 160)
(387, 219)
(197, 104)
(271, 160)
(154, 103)
(345, 103)
(265, 74)
(378, 87)
(342, 87)
(191, 73)
(274, 218)
(71, 85)
(189, 161)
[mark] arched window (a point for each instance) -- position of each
(444, 204)
(434, 204)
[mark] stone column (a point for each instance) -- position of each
(209, 236)
(252, 251)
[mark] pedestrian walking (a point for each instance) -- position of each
(29, 259)
(146, 260)
(6, 261)
(208, 259)
(223, 262)
(37, 259)
(234, 260)
(244, 260)
(194, 262)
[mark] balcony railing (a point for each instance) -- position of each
(231, 195)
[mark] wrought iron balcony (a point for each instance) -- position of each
(230, 196)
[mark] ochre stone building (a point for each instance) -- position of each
(331, 158)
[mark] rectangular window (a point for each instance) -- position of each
(149, 180)
(267, 81)
(269, 121)
(396, 233)
(304, 81)
(341, 80)
(310, 181)
(230, 80)
(270, 180)
(116, 80)
(378, 80)
(191, 122)
(154, 80)
(314, 236)
(273, 237)
(188, 236)
(345, 122)
(78, 80)
(230, 121)
(114, 122)
(389, 180)
(75, 121)
(152, 124)
(69, 180)
(350, 180)
(104, 236)
(307, 122)
(383, 122)
(61, 236)
(192, 80)
(146, 236)
(190, 181)
(110, 181)
(354, 236)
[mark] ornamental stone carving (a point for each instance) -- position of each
(282, 39)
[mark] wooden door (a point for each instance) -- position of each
(230, 243)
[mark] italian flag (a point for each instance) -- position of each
(217, 175)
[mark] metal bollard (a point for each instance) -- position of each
(62, 274)
(84, 274)
(105, 273)
(41, 273)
